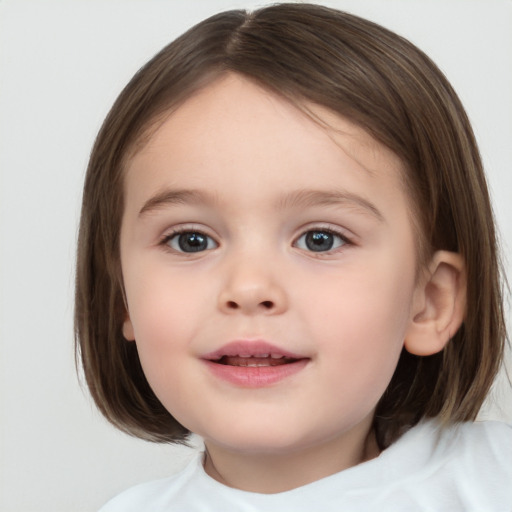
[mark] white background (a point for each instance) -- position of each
(61, 66)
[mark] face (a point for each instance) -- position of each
(269, 264)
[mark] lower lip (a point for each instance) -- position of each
(255, 376)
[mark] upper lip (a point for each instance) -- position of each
(251, 348)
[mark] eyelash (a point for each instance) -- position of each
(164, 242)
(329, 231)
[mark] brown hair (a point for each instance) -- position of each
(376, 79)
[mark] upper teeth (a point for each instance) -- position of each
(273, 356)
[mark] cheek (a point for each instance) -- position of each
(361, 324)
(165, 313)
(165, 322)
(370, 298)
(157, 297)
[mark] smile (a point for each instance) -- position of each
(253, 364)
(255, 361)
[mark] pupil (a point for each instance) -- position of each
(319, 241)
(192, 242)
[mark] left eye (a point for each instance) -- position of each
(319, 241)
(190, 241)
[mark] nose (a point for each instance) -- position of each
(252, 287)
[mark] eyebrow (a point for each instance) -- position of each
(294, 199)
(308, 198)
(171, 197)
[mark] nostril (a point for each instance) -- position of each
(250, 305)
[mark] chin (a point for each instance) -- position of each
(262, 441)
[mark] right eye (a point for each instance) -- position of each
(190, 241)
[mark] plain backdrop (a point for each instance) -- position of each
(61, 66)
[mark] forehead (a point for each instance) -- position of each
(236, 124)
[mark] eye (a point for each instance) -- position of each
(321, 240)
(190, 241)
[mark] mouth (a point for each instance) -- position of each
(254, 364)
(256, 361)
(252, 353)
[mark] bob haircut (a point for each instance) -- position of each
(368, 75)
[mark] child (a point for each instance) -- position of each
(287, 247)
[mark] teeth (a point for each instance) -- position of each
(248, 357)
(260, 356)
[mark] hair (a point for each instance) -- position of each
(370, 76)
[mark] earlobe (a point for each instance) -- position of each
(128, 333)
(439, 305)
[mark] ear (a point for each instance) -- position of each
(128, 332)
(439, 305)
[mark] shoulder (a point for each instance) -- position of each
(156, 495)
(139, 497)
(476, 447)
(492, 431)
(466, 466)
(488, 444)
(479, 464)
(489, 441)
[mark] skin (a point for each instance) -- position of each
(348, 310)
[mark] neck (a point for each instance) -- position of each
(269, 473)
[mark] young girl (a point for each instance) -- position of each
(287, 248)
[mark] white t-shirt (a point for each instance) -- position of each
(465, 468)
